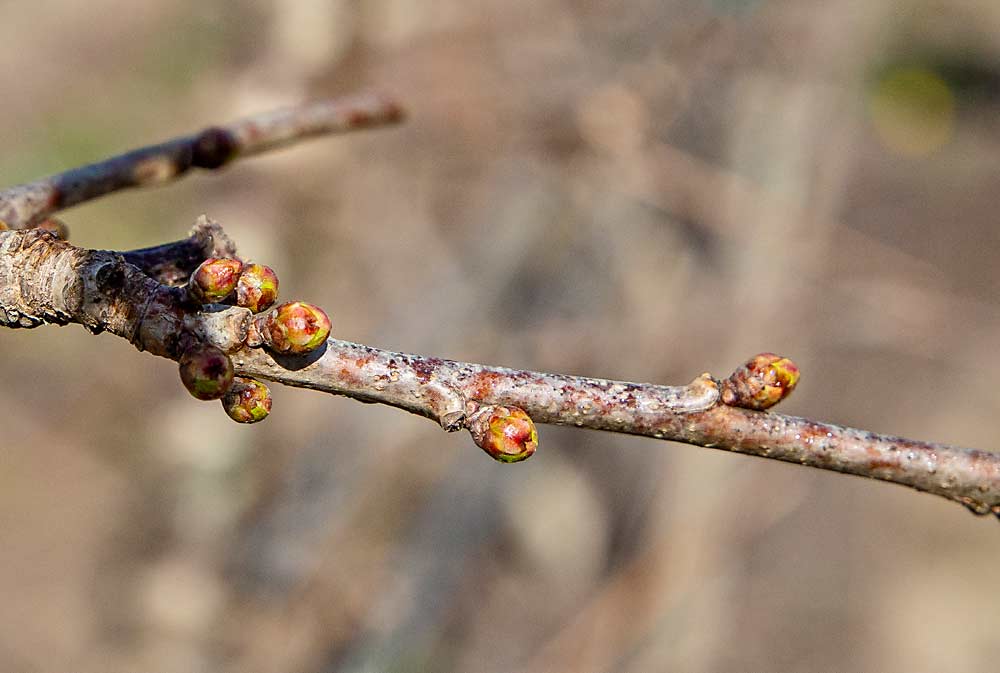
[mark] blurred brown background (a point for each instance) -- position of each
(641, 190)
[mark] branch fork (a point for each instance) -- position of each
(228, 341)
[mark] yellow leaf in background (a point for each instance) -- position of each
(913, 110)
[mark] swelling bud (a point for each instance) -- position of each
(214, 279)
(762, 381)
(257, 287)
(295, 327)
(206, 372)
(507, 434)
(248, 401)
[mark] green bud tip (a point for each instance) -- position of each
(214, 279)
(507, 434)
(257, 287)
(206, 372)
(761, 382)
(295, 327)
(248, 401)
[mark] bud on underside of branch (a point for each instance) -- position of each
(507, 434)
(248, 401)
(206, 372)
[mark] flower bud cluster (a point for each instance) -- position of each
(292, 328)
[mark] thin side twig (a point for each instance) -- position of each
(24, 205)
(172, 263)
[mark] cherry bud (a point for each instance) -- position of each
(295, 327)
(507, 434)
(257, 287)
(761, 382)
(206, 372)
(214, 279)
(248, 401)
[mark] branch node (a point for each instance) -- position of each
(213, 148)
(225, 327)
(701, 394)
(453, 421)
(447, 404)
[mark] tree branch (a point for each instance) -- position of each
(134, 295)
(693, 414)
(25, 205)
(172, 263)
